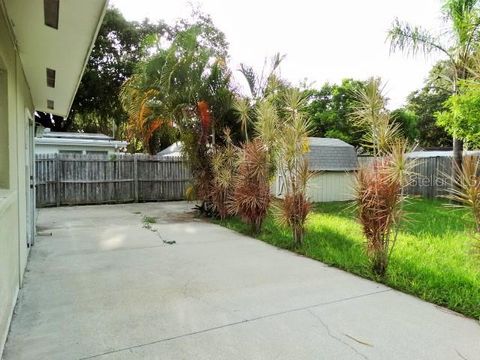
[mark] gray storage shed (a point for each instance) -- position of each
(333, 163)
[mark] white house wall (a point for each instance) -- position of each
(13, 186)
(55, 149)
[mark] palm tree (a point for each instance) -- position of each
(458, 45)
(182, 82)
(259, 85)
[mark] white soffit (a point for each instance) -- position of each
(64, 50)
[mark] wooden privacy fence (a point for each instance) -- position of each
(431, 176)
(91, 179)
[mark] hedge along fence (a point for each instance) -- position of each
(432, 176)
(63, 179)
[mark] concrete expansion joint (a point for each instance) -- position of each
(267, 316)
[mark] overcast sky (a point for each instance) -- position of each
(323, 40)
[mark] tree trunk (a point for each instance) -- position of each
(457, 157)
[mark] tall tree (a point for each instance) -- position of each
(119, 46)
(462, 113)
(407, 122)
(425, 104)
(458, 45)
(185, 85)
(330, 108)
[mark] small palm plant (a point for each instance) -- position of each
(379, 186)
(224, 160)
(293, 145)
(466, 193)
(251, 195)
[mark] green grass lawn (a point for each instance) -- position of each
(432, 258)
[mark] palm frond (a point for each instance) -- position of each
(413, 39)
(243, 109)
(267, 124)
(251, 78)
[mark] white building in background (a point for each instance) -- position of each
(50, 142)
(174, 150)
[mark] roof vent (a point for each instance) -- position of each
(51, 77)
(50, 12)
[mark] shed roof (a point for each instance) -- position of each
(329, 154)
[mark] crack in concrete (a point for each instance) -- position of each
(460, 355)
(338, 339)
(193, 333)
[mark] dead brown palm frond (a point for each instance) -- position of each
(292, 212)
(250, 198)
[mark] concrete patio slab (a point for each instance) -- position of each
(102, 286)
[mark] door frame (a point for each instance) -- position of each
(30, 176)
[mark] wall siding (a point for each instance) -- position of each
(331, 186)
(13, 222)
(324, 186)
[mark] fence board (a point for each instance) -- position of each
(431, 176)
(76, 179)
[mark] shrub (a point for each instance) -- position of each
(224, 161)
(379, 186)
(251, 195)
(293, 164)
(378, 201)
(466, 193)
(292, 212)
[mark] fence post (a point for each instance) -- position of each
(135, 177)
(57, 179)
